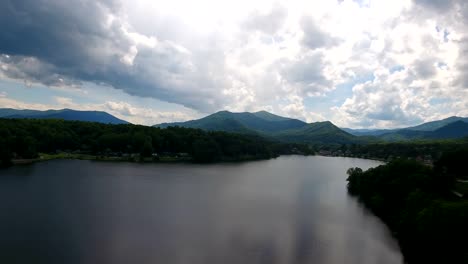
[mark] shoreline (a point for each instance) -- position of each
(164, 159)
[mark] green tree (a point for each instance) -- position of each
(147, 149)
(205, 150)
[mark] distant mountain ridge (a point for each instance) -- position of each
(452, 127)
(293, 130)
(434, 125)
(272, 126)
(368, 132)
(65, 114)
(457, 129)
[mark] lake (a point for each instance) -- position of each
(289, 210)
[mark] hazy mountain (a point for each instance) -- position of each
(457, 129)
(402, 133)
(368, 132)
(270, 125)
(65, 114)
(434, 125)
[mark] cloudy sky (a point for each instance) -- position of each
(365, 63)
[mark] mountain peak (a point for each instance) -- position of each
(262, 112)
(271, 126)
(223, 112)
(270, 117)
(453, 118)
(326, 122)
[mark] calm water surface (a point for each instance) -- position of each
(290, 210)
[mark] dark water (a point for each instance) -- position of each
(289, 210)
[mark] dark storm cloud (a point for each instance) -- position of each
(30, 70)
(64, 33)
(57, 42)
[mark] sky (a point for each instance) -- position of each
(359, 64)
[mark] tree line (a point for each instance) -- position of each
(432, 149)
(420, 205)
(26, 138)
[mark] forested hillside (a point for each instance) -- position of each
(25, 138)
(448, 128)
(273, 126)
(425, 207)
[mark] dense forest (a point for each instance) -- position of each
(429, 150)
(425, 207)
(26, 138)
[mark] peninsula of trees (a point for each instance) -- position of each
(425, 207)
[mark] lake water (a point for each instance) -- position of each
(290, 210)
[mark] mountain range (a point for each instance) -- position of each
(273, 126)
(65, 114)
(452, 127)
(428, 126)
(294, 130)
(457, 129)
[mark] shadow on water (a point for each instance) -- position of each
(33, 227)
(288, 210)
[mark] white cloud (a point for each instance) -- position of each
(147, 116)
(268, 22)
(64, 101)
(247, 55)
(6, 102)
